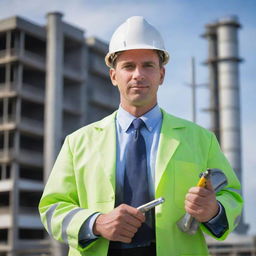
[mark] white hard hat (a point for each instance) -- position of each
(135, 33)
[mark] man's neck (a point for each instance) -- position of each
(137, 111)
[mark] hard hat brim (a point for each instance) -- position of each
(109, 55)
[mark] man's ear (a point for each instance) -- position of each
(162, 75)
(112, 74)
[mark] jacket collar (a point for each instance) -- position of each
(169, 120)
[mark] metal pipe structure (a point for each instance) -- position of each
(229, 100)
(223, 62)
(211, 36)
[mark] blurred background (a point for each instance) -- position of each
(53, 80)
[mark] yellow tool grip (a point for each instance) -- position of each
(202, 182)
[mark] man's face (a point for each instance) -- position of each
(137, 75)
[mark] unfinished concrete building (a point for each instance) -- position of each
(52, 81)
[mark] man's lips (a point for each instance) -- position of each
(138, 86)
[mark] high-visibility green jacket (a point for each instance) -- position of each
(82, 182)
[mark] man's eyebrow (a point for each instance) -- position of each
(122, 63)
(149, 62)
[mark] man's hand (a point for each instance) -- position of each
(121, 224)
(201, 203)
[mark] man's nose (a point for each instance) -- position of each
(138, 74)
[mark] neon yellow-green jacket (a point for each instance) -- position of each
(82, 182)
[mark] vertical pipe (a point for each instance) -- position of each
(229, 96)
(193, 85)
(229, 91)
(211, 36)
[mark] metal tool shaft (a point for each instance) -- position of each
(146, 207)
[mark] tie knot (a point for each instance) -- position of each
(138, 123)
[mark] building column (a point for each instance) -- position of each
(54, 90)
(53, 102)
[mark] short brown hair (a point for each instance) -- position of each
(114, 56)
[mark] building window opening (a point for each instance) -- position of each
(2, 41)
(29, 233)
(31, 173)
(35, 46)
(3, 235)
(30, 143)
(2, 74)
(4, 199)
(1, 140)
(28, 199)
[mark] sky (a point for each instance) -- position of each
(181, 23)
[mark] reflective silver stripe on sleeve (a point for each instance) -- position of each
(49, 215)
(66, 222)
(237, 220)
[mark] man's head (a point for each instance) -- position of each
(136, 59)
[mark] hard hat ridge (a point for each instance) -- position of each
(135, 33)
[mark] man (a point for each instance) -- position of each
(107, 169)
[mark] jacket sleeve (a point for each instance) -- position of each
(59, 206)
(229, 197)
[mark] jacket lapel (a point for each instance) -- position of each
(169, 141)
(106, 134)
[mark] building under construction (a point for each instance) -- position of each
(52, 81)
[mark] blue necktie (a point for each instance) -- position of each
(136, 188)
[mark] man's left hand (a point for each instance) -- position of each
(201, 203)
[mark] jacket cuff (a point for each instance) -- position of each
(218, 225)
(86, 235)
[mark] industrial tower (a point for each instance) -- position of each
(223, 63)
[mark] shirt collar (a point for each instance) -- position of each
(151, 118)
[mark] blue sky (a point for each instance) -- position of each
(181, 23)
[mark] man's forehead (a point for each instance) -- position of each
(144, 55)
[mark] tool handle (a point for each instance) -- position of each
(188, 219)
(146, 207)
(202, 182)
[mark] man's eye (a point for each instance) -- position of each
(128, 66)
(149, 65)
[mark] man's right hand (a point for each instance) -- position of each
(121, 224)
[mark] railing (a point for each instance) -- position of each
(3, 53)
(32, 124)
(33, 90)
(19, 53)
(34, 55)
(5, 155)
(8, 86)
(9, 119)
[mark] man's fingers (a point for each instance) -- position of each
(124, 239)
(196, 199)
(133, 212)
(120, 224)
(192, 205)
(203, 192)
(132, 221)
